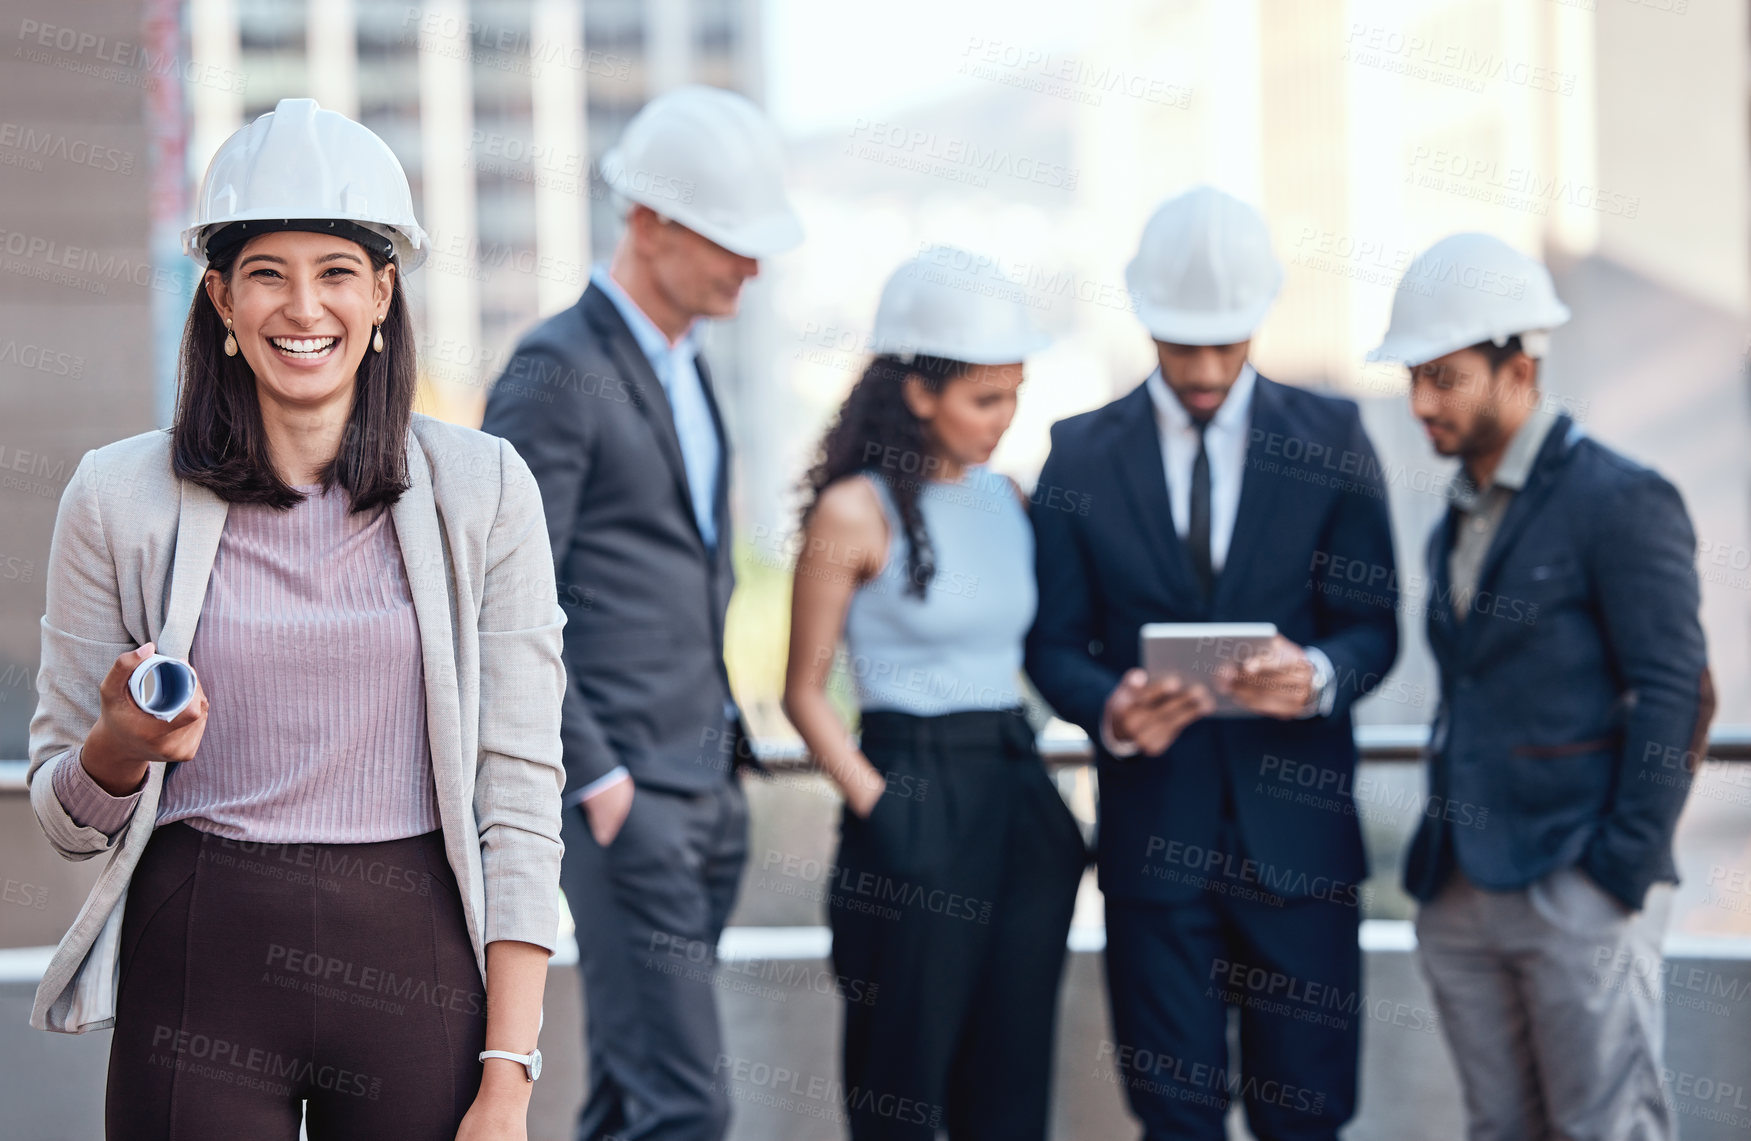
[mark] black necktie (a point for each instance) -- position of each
(1198, 533)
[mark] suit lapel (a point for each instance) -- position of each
(200, 521)
(1137, 454)
(420, 534)
(1527, 501)
(647, 390)
(1255, 497)
(720, 507)
(1438, 604)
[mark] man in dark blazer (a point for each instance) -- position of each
(1229, 850)
(612, 407)
(1575, 701)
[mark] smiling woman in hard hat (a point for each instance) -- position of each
(958, 863)
(1575, 699)
(312, 869)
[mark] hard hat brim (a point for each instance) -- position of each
(1411, 353)
(770, 236)
(1177, 327)
(1005, 352)
(410, 248)
(766, 237)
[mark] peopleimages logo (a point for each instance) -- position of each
(81, 267)
(1141, 1068)
(812, 1095)
(39, 359)
(49, 144)
(872, 892)
(1517, 187)
(1177, 861)
(1448, 64)
(101, 57)
(234, 1062)
(962, 159)
(337, 973)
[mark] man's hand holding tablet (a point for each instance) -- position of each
(1277, 681)
(1250, 669)
(1146, 716)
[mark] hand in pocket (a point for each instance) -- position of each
(1568, 898)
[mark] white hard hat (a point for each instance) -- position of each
(1204, 273)
(1467, 289)
(710, 160)
(953, 304)
(301, 163)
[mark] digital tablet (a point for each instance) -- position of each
(1196, 650)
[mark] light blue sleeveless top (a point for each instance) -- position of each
(960, 646)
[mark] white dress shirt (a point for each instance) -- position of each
(1225, 440)
(677, 367)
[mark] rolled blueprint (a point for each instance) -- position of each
(162, 686)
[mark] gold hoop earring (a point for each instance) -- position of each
(377, 340)
(230, 339)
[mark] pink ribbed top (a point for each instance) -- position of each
(309, 653)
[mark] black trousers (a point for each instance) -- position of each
(255, 977)
(649, 909)
(950, 905)
(1293, 968)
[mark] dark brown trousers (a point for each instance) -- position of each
(265, 983)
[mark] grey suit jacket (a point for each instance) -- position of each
(643, 595)
(132, 551)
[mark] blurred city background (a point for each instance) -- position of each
(1610, 137)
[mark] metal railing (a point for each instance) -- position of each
(1377, 744)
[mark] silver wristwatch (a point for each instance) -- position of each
(1321, 700)
(531, 1062)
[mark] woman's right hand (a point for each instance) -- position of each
(126, 738)
(865, 791)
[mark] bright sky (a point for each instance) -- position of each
(827, 60)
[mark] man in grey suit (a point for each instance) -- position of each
(612, 407)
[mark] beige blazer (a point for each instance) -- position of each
(129, 563)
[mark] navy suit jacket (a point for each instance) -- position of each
(1109, 561)
(1575, 696)
(644, 597)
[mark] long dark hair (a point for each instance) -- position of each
(218, 441)
(876, 432)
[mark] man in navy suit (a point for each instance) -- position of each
(1575, 701)
(1229, 853)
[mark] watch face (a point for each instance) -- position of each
(534, 1064)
